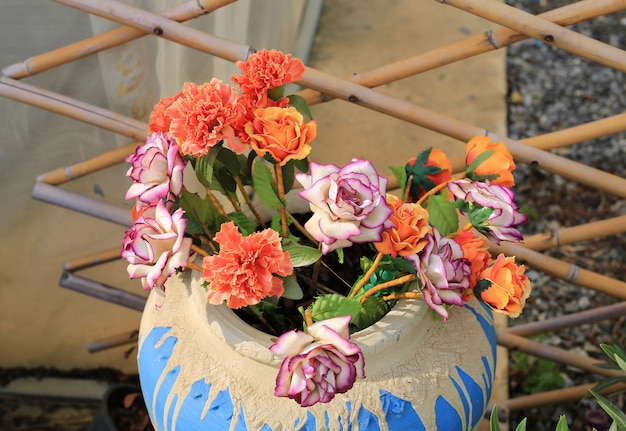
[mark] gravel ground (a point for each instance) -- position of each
(549, 90)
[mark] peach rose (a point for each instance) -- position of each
(282, 133)
(405, 229)
(504, 287)
(497, 167)
(476, 252)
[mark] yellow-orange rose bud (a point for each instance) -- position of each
(504, 287)
(499, 163)
(405, 229)
(282, 133)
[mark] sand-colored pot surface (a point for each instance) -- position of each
(201, 367)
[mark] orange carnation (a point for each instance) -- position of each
(281, 133)
(476, 252)
(498, 164)
(201, 117)
(159, 121)
(504, 287)
(247, 268)
(408, 225)
(265, 70)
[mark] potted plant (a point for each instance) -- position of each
(371, 308)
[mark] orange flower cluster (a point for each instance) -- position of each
(281, 133)
(405, 230)
(507, 286)
(499, 164)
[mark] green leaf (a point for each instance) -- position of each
(230, 161)
(612, 410)
(301, 164)
(494, 421)
(334, 305)
(204, 166)
(300, 104)
(292, 289)
(226, 181)
(372, 310)
(521, 426)
(420, 172)
(288, 178)
(200, 210)
(562, 424)
(264, 186)
(245, 225)
(400, 173)
(301, 255)
(478, 215)
(442, 215)
(469, 170)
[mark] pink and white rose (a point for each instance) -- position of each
(444, 273)
(504, 211)
(319, 363)
(348, 204)
(155, 247)
(157, 169)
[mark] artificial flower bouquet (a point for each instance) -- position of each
(312, 279)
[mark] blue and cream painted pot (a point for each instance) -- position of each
(202, 368)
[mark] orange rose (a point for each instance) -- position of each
(504, 287)
(282, 133)
(475, 251)
(410, 225)
(499, 163)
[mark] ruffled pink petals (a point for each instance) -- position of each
(157, 170)
(443, 273)
(504, 211)
(348, 203)
(319, 364)
(155, 247)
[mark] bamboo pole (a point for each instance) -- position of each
(569, 235)
(605, 312)
(92, 45)
(162, 27)
(585, 363)
(113, 341)
(560, 269)
(72, 108)
(82, 204)
(574, 393)
(93, 259)
(580, 133)
(543, 30)
(80, 169)
(355, 93)
(491, 40)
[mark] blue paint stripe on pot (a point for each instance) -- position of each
(241, 420)
(488, 379)
(368, 420)
(153, 361)
(446, 416)
(476, 395)
(309, 424)
(170, 412)
(164, 391)
(487, 326)
(222, 411)
(400, 414)
(463, 398)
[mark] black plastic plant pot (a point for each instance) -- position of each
(117, 415)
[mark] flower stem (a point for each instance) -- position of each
(407, 189)
(403, 295)
(367, 275)
(195, 267)
(281, 193)
(216, 203)
(199, 250)
(234, 203)
(438, 187)
(465, 228)
(379, 287)
(301, 228)
(246, 197)
(308, 317)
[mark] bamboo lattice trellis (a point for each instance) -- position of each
(321, 87)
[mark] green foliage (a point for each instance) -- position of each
(301, 255)
(204, 166)
(264, 186)
(293, 290)
(470, 171)
(539, 374)
(419, 173)
(334, 305)
(400, 173)
(245, 225)
(372, 310)
(198, 212)
(300, 104)
(442, 215)
(494, 422)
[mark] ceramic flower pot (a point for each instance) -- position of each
(201, 367)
